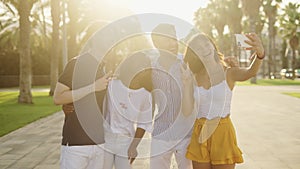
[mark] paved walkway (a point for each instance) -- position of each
(267, 125)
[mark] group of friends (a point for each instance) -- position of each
(182, 100)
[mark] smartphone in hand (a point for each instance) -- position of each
(240, 41)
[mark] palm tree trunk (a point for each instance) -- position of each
(72, 30)
(253, 29)
(274, 55)
(272, 61)
(294, 42)
(283, 55)
(25, 95)
(55, 8)
(270, 51)
(294, 63)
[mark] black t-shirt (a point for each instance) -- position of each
(85, 126)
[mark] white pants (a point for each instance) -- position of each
(116, 147)
(82, 157)
(162, 151)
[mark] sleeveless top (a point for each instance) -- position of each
(214, 102)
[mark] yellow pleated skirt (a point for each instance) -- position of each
(214, 141)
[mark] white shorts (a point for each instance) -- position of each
(116, 147)
(82, 157)
(162, 151)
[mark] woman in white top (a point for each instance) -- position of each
(213, 144)
(128, 111)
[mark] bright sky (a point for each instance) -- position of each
(178, 8)
(183, 9)
(287, 1)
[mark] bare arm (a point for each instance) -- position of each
(242, 74)
(132, 152)
(64, 95)
(144, 123)
(187, 104)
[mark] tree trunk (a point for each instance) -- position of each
(55, 13)
(272, 34)
(293, 58)
(25, 58)
(253, 29)
(283, 55)
(251, 9)
(270, 51)
(294, 43)
(274, 54)
(72, 29)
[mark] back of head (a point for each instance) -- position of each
(134, 71)
(164, 30)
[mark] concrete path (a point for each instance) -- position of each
(267, 124)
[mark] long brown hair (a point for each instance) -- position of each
(194, 61)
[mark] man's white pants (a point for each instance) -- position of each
(82, 157)
(162, 151)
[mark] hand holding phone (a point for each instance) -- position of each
(240, 41)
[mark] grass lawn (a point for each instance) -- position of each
(293, 94)
(14, 115)
(274, 82)
(270, 82)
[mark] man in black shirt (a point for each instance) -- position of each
(83, 84)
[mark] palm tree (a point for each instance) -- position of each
(213, 17)
(202, 21)
(9, 33)
(270, 9)
(284, 59)
(234, 23)
(20, 26)
(74, 14)
(83, 14)
(219, 20)
(290, 25)
(55, 13)
(25, 95)
(251, 10)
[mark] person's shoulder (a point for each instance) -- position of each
(79, 57)
(85, 56)
(71, 63)
(179, 61)
(180, 56)
(153, 54)
(74, 59)
(141, 54)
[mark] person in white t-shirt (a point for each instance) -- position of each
(128, 111)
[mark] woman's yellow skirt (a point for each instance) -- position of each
(214, 141)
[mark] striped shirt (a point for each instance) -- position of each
(167, 96)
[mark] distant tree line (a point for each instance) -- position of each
(31, 39)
